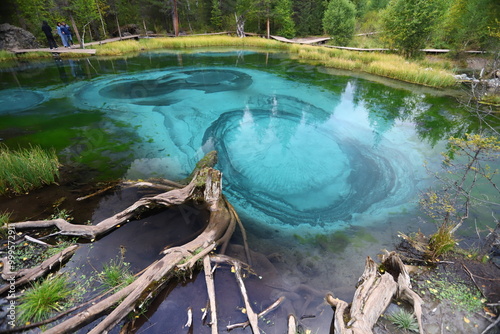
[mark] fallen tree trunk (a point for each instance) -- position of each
(373, 295)
(206, 186)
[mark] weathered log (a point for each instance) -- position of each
(373, 295)
(167, 199)
(206, 184)
(25, 276)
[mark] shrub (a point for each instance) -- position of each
(340, 21)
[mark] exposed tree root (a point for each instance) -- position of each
(155, 277)
(373, 295)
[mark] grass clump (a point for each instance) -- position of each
(43, 299)
(4, 221)
(115, 273)
(26, 169)
(404, 320)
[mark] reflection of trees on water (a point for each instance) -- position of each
(436, 118)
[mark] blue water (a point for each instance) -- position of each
(324, 169)
(292, 154)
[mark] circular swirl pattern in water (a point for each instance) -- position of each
(148, 91)
(290, 153)
(13, 100)
(297, 169)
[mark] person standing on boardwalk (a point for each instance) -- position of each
(70, 35)
(48, 33)
(62, 34)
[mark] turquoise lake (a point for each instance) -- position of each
(324, 167)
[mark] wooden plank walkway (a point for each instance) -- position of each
(58, 50)
(318, 40)
(76, 48)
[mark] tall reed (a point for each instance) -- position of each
(26, 169)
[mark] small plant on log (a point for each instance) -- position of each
(43, 299)
(404, 320)
(115, 273)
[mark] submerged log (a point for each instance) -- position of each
(373, 295)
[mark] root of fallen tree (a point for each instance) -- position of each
(373, 295)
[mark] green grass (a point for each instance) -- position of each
(6, 55)
(128, 46)
(404, 320)
(43, 299)
(433, 74)
(381, 64)
(114, 273)
(4, 221)
(26, 169)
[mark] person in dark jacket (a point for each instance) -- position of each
(70, 35)
(63, 33)
(48, 33)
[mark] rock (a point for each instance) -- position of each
(12, 37)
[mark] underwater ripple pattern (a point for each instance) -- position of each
(284, 160)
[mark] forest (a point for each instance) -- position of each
(404, 24)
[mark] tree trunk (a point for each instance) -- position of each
(75, 29)
(240, 25)
(175, 19)
(118, 25)
(104, 34)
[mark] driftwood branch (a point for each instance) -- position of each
(260, 315)
(373, 295)
(24, 276)
(211, 293)
(169, 198)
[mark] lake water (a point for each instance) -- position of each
(324, 167)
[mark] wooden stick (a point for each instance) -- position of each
(260, 315)
(211, 293)
(27, 237)
(473, 280)
(252, 316)
(189, 321)
(292, 324)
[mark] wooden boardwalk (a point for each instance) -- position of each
(60, 49)
(76, 48)
(308, 41)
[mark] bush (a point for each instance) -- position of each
(340, 21)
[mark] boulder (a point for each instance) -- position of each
(12, 37)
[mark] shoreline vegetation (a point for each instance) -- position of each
(26, 169)
(436, 74)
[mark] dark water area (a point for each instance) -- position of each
(324, 167)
